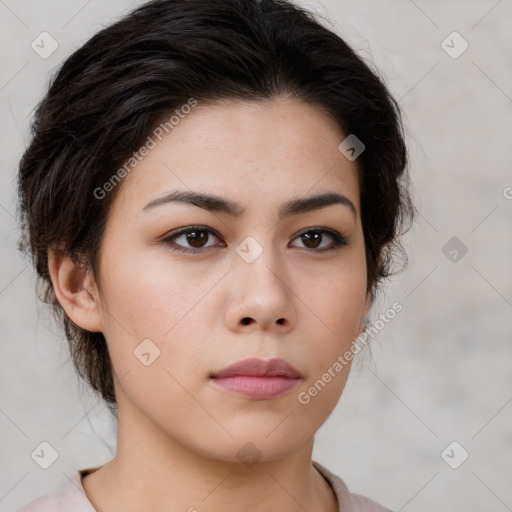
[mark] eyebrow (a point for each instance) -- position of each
(222, 205)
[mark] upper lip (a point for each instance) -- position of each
(259, 367)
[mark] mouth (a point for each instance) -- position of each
(259, 368)
(258, 379)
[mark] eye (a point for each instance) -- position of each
(194, 239)
(195, 236)
(312, 238)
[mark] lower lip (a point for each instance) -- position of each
(259, 388)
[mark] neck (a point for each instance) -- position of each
(152, 471)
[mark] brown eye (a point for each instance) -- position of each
(197, 238)
(313, 238)
(191, 239)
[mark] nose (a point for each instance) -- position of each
(261, 297)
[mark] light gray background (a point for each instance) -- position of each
(439, 372)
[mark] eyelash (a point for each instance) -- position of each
(338, 240)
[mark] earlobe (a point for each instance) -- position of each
(75, 290)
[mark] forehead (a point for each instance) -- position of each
(250, 151)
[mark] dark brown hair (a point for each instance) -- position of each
(107, 97)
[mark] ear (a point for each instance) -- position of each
(75, 290)
(367, 306)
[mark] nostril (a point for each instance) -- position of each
(246, 320)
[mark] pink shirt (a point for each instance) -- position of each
(71, 497)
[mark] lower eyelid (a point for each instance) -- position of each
(338, 239)
(172, 237)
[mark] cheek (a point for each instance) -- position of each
(150, 294)
(335, 315)
(337, 302)
(328, 349)
(152, 335)
(151, 299)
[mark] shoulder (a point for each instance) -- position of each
(348, 501)
(69, 496)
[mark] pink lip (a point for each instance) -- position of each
(257, 378)
(259, 368)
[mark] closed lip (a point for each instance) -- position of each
(260, 368)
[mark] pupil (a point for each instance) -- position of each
(196, 237)
(313, 236)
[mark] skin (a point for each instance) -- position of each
(178, 435)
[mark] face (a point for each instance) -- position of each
(188, 289)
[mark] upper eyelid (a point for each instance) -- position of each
(186, 229)
(180, 231)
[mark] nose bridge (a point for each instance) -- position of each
(258, 264)
(262, 293)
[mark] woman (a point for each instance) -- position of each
(212, 194)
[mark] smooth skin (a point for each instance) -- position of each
(303, 300)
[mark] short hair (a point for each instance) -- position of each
(109, 95)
